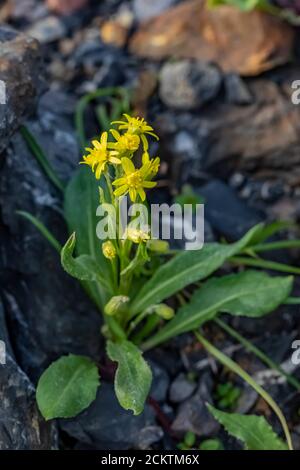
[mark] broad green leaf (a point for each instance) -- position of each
(254, 431)
(67, 387)
(84, 267)
(186, 268)
(133, 377)
(249, 293)
(80, 205)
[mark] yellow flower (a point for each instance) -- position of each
(99, 156)
(134, 181)
(137, 126)
(153, 163)
(108, 250)
(137, 235)
(125, 144)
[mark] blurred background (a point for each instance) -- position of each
(217, 86)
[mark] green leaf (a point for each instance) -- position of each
(133, 377)
(254, 431)
(186, 268)
(268, 230)
(249, 293)
(84, 267)
(211, 444)
(80, 205)
(67, 387)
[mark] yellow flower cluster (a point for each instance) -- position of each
(131, 180)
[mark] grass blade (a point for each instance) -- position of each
(230, 364)
(40, 156)
(42, 228)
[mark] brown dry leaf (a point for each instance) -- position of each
(246, 43)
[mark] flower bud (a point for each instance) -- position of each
(160, 246)
(137, 235)
(164, 311)
(117, 304)
(109, 250)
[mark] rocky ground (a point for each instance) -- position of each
(216, 85)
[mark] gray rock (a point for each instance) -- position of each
(181, 388)
(47, 29)
(106, 425)
(189, 84)
(236, 90)
(226, 213)
(144, 10)
(21, 425)
(192, 415)
(21, 80)
(160, 382)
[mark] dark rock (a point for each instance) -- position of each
(4, 337)
(189, 84)
(47, 29)
(237, 180)
(46, 309)
(236, 90)
(21, 80)
(103, 65)
(181, 388)
(160, 383)
(29, 10)
(148, 436)
(106, 425)
(21, 425)
(246, 401)
(58, 104)
(145, 10)
(185, 139)
(193, 415)
(272, 191)
(227, 214)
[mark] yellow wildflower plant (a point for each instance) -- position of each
(138, 276)
(137, 126)
(99, 156)
(134, 180)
